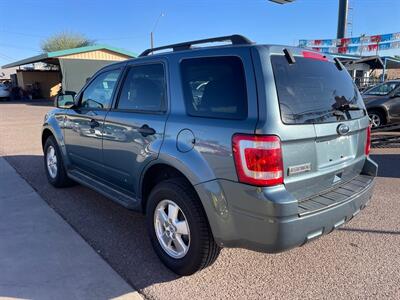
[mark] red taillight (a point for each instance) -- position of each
(258, 159)
(368, 142)
(313, 55)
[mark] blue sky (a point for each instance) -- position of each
(127, 24)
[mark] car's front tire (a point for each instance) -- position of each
(178, 227)
(53, 164)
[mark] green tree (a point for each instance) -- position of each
(65, 40)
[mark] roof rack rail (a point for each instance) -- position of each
(235, 39)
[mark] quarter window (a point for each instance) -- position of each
(215, 87)
(99, 92)
(383, 89)
(144, 88)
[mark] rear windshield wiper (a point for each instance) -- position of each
(348, 106)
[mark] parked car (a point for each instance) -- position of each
(383, 103)
(243, 145)
(4, 91)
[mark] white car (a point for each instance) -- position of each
(4, 91)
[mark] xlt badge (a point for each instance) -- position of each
(299, 169)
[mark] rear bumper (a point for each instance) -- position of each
(270, 219)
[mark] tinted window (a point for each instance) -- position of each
(144, 89)
(312, 91)
(99, 92)
(382, 89)
(215, 87)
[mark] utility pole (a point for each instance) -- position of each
(342, 18)
(362, 43)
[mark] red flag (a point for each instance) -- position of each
(317, 42)
(372, 47)
(375, 38)
(342, 49)
(345, 41)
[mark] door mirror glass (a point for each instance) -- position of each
(65, 101)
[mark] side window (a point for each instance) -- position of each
(383, 89)
(215, 87)
(144, 88)
(99, 92)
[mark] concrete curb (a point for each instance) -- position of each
(41, 256)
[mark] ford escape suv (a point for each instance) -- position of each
(238, 145)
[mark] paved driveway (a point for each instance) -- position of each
(361, 260)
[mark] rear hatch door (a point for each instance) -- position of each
(317, 96)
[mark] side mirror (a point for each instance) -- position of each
(65, 101)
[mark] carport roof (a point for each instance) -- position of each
(375, 62)
(50, 57)
(391, 62)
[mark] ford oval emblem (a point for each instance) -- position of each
(343, 129)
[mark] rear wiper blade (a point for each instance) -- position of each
(348, 106)
(338, 113)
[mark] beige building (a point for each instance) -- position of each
(66, 69)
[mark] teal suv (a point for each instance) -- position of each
(237, 145)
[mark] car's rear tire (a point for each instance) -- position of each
(377, 118)
(185, 249)
(53, 164)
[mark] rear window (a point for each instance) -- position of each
(313, 91)
(214, 87)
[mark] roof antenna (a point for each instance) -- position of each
(289, 56)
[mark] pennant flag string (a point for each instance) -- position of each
(356, 49)
(373, 39)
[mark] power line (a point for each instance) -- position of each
(22, 33)
(18, 47)
(97, 39)
(5, 56)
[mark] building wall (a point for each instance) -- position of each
(98, 55)
(75, 72)
(73, 78)
(5, 73)
(49, 81)
(390, 74)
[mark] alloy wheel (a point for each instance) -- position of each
(375, 120)
(172, 229)
(51, 160)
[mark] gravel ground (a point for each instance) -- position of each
(361, 260)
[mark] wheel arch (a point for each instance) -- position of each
(382, 109)
(46, 133)
(56, 132)
(157, 172)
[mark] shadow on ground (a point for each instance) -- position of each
(117, 234)
(32, 102)
(389, 165)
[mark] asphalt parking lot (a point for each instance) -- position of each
(360, 260)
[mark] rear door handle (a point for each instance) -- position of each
(145, 130)
(93, 123)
